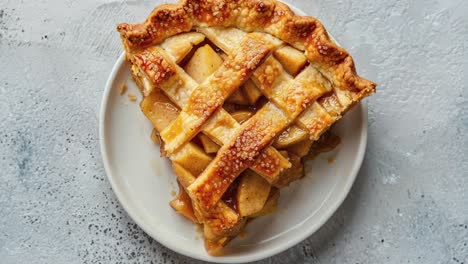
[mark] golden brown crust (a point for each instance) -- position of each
(165, 21)
(270, 16)
(212, 93)
(238, 154)
(154, 65)
(157, 61)
(317, 105)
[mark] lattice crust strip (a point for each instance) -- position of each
(211, 94)
(178, 86)
(273, 81)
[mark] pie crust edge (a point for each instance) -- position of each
(268, 16)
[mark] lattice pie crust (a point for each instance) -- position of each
(238, 92)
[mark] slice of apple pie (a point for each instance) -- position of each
(238, 92)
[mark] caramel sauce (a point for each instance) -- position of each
(230, 196)
(199, 229)
(231, 107)
(196, 140)
(326, 143)
(183, 205)
(214, 249)
(155, 136)
(242, 234)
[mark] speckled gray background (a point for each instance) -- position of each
(408, 205)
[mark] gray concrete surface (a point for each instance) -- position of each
(408, 205)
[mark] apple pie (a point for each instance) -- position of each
(239, 92)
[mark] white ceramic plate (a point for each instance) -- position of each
(143, 182)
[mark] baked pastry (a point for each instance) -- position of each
(238, 92)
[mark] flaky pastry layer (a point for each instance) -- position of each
(269, 16)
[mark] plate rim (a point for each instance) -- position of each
(309, 230)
